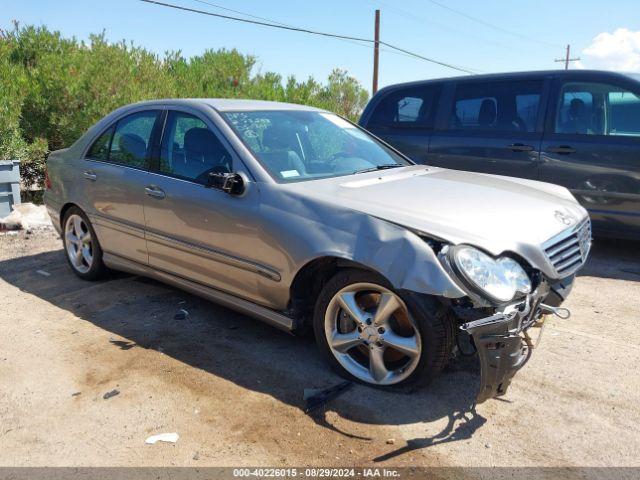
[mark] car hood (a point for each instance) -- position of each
(493, 212)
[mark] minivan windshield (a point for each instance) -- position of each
(302, 145)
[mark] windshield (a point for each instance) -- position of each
(301, 145)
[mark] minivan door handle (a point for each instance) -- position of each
(520, 147)
(89, 175)
(154, 191)
(561, 149)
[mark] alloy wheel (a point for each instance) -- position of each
(372, 334)
(79, 243)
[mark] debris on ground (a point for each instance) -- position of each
(76, 394)
(44, 273)
(110, 394)
(315, 398)
(122, 344)
(162, 437)
(26, 216)
(391, 441)
(181, 314)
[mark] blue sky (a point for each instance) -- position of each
(538, 32)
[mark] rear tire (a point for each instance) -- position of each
(385, 340)
(81, 246)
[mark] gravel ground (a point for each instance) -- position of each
(232, 387)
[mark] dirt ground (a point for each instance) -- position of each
(232, 387)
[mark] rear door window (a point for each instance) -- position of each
(497, 106)
(408, 107)
(597, 109)
(100, 148)
(131, 140)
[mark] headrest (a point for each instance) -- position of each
(133, 144)
(279, 138)
(487, 114)
(199, 140)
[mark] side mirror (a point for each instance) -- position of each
(229, 182)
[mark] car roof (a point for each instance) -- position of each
(229, 104)
(516, 75)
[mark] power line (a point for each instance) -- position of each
(422, 20)
(488, 24)
(353, 42)
(306, 30)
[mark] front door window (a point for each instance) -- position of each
(597, 109)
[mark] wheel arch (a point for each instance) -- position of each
(311, 278)
(65, 208)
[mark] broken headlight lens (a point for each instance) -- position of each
(498, 278)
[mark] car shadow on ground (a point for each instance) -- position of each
(142, 313)
(610, 258)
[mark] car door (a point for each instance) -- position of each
(490, 126)
(403, 117)
(193, 231)
(114, 173)
(592, 147)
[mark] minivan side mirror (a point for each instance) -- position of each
(229, 182)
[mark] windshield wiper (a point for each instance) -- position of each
(379, 167)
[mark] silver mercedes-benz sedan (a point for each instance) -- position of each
(301, 218)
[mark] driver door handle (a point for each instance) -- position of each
(89, 175)
(561, 150)
(155, 192)
(520, 147)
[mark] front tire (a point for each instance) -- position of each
(81, 245)
(368, 333)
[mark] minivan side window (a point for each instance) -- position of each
(597, 109)
(497, 106)
(190, 150)
(408, 107)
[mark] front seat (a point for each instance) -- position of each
(577, 121)
(203, 153)
(487, 114)
(281, 155)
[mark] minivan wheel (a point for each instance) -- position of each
(81, 245)
(369, 333)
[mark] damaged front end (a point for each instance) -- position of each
(504, 342)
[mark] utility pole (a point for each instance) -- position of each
(376, 53)
(567, 58)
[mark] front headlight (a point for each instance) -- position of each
(500, 279)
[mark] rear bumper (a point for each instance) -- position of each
(53, 209)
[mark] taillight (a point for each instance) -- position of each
(47, 180)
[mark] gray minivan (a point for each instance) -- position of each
(578, 128)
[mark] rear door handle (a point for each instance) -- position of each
(561, 149)
(520, 147)
(154, 191)
(89, 175)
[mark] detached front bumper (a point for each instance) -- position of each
(503, 342)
